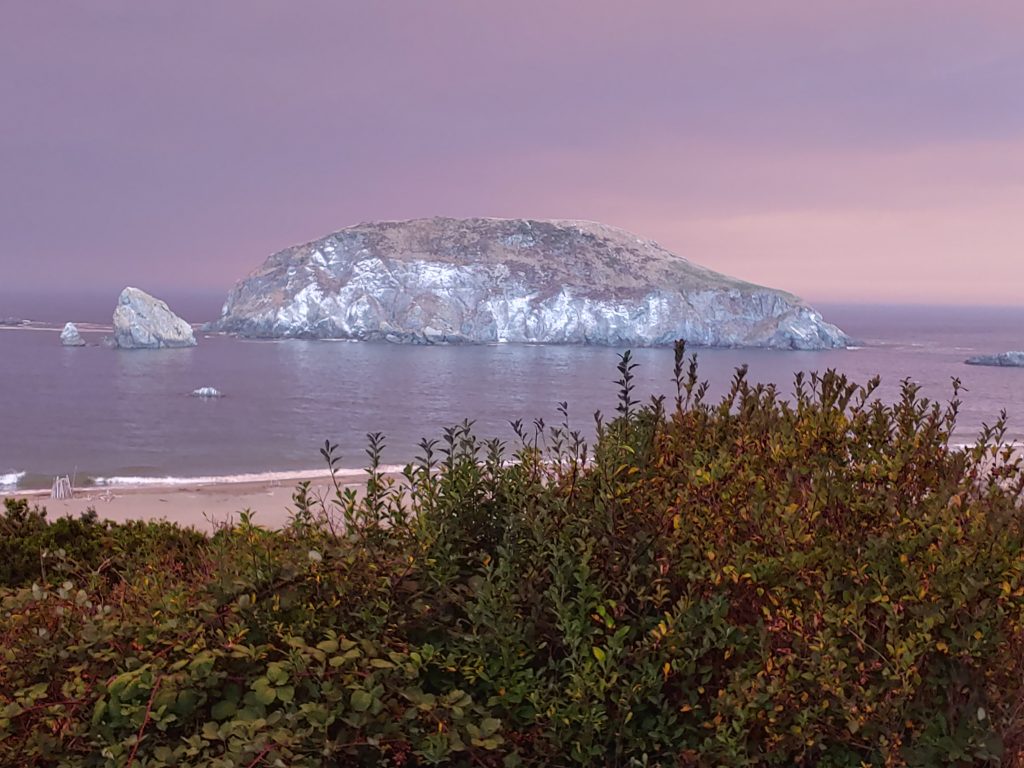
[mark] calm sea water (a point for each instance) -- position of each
(105, 414)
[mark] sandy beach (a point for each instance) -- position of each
(201, 506)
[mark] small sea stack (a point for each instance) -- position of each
(142, 321)
(70, 337)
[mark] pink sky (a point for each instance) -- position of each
(864, 150)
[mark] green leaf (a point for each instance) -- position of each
(276, 673)
(265, 696)
(599, 654)
(186, 702)
(285, 693)
(361, 701)
(328, 646)
(248, 714)
(222, 710)
(489, 726)
(490, 743)
(263, 692)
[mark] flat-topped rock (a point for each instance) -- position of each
(70, 337)
(142, 321)
(442, 280)
(207, 393)
(1003, 359)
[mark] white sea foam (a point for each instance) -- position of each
(127, 481)
(10, 479)
(966, 446)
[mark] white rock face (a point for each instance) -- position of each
(207, 392)
(1003, 360)
(70, 337)
(142, 321)
(510, 280)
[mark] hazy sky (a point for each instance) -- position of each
(844, 150)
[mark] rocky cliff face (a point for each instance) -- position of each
(142, 321)
(510, 280)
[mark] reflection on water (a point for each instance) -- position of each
(119, 412)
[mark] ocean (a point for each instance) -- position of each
(108, 416)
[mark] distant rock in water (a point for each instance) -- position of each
(12, 322)
(1004, 359)
(70, 337)
(206, 392)
(144, 322)
(494, 280)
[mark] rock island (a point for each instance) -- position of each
(443, 280)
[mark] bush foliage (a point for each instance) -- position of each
(814, 580)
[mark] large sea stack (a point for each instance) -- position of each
(142, 321)
(510, 280)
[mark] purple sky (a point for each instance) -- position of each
(851, 150)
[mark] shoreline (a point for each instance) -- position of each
(40, 325)
(206, 503)
(204, 506)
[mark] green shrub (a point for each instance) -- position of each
(34, 549)
(28, 540)
(819, 580)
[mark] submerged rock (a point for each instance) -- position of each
(206, 392)
(142, 321)
(70, 337)
(1003, 359)
(439, 280)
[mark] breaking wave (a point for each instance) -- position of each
(10, 480)
(254, 477)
